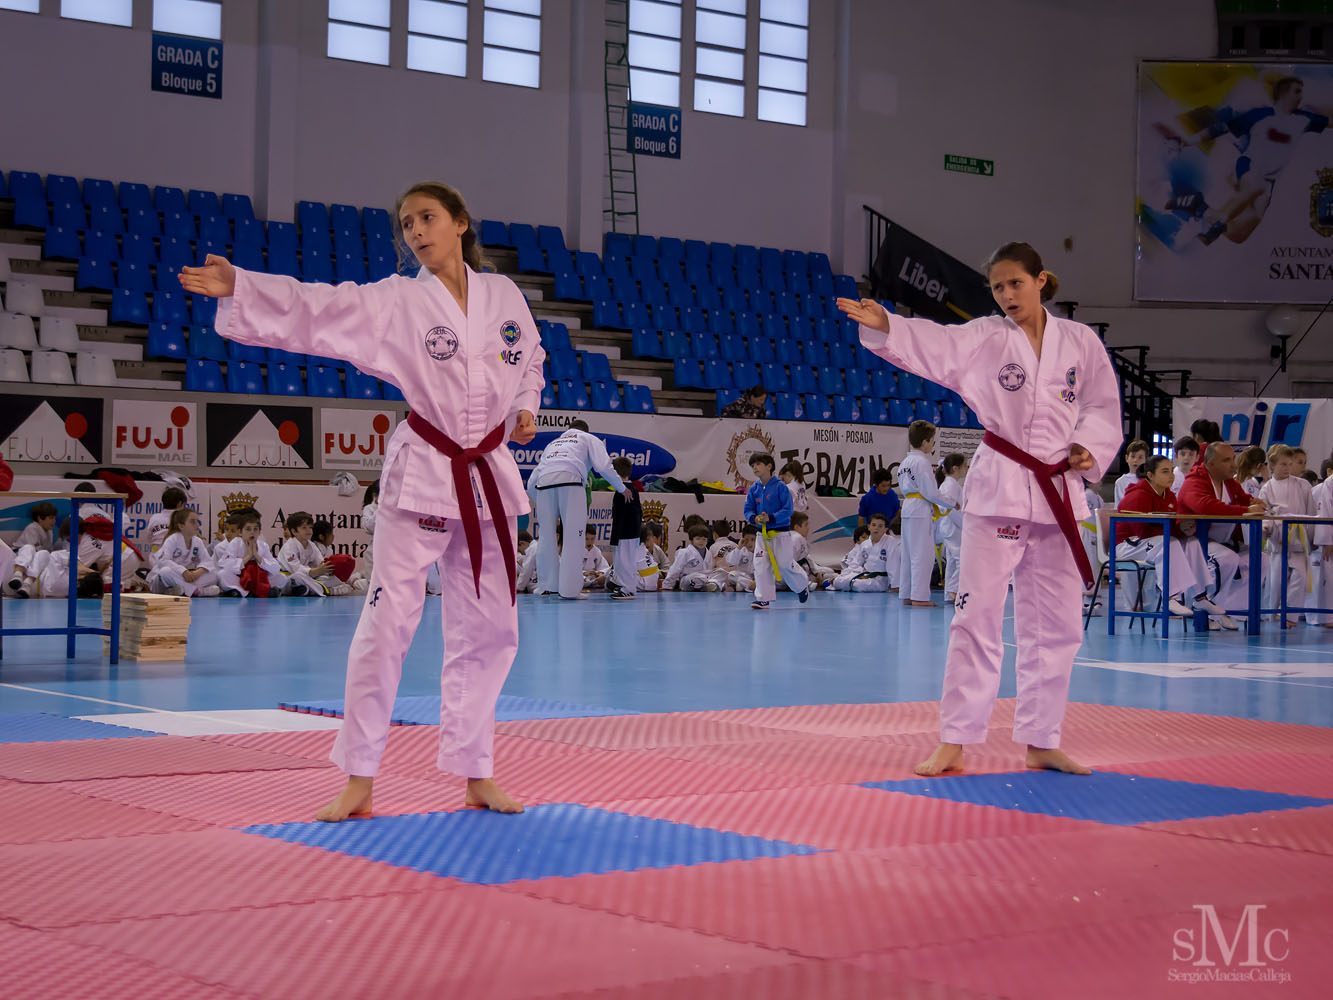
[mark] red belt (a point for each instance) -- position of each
(1061, 505)
(459, 460)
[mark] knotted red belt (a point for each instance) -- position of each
(1059, 501)
(459, 460)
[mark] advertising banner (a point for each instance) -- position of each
(354, 439)
(1245, 421)
(59, 429)
(1234, 196)
(146, 432)
(934, 284)
(260, 436)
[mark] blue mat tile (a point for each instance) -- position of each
(1103, 797)
(546, 841)
(39, 727)
(424, 710)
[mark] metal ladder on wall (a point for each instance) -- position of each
(620, 201)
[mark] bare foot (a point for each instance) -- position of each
(352, 802)
(922, 604)
(1054, 760)
(947, 757)
(484, 793)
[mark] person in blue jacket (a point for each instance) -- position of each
(768, 506)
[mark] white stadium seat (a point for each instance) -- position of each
(12, 366)
(95, 369)
(58, 333)
(52, 367)
(24, 297)
(16, 332)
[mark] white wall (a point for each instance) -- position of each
(1046, 88)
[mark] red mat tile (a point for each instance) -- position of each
(37, 813)
(1108, 872)
(1219, 733)
(44, 966)
(878, 719)
(1268, 771)
(1096, 748)
(466, 942)
(1296, 829)
(87, 881)
(1128, 959)
(243, 799)
(639, 732)
(77, 760)
(831, 905)
(809, 979)
(843, 817)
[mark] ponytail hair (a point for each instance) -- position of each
(453, 203)
(1026, 257)
(178, 517)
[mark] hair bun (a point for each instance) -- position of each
(1051, 287)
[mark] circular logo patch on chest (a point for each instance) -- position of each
(510, 333)
(1013, 377)
(441, 343)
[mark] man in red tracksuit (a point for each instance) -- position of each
(1211, 488)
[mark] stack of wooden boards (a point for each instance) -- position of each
(152, 626)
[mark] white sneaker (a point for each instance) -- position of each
(16, 581)
(28, 588)
(1177, 608)
(1206, 604)
(212, 590)
(1227, 622)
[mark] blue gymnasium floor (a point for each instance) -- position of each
(721, 799)
(663, 653)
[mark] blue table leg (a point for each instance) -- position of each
(1256, 576)
(118, 508)
(1110, 580)
(1286, 554)
(72, 599)
(1164, 584)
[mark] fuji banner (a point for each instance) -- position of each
(260, 436)
(1245, 421)
(354, 439)
(62, 429)
(146, 432)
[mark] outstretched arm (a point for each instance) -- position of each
(932, 350)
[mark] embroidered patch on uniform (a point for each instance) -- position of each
(511, 357)
(1071, 377)
(1068, 395)
(1013, 377)
(432, 523)
(1009, 532)
(441, 343)
(375, 596)
(510, 332)
(960, 602)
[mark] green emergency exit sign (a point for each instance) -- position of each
(969, 165)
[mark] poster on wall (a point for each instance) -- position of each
(146, 432)
(354, 439)
(260, 436)
(1234, 189)
(51, 429)
(1245, 421)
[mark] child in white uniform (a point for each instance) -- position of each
(461, 345)
(867, 569)
(595, 566)
(183, 564)
(39, 535)
(820, 576)
(1286, 493)
(690, 568)
(1321, 595)
(159, 525)
(740, 561)
(310, 573)
(1187, 453)
(1049, 398)
(245, 565)
(651, 560)
(922, 505)
(949, 528)
(1136, 453)
(794, 476)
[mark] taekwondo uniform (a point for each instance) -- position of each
(921, 506)
(594, 565)
(1229, 568)
(949, 531)
(558, 485)
(741, 573)
(297, 561)
(651, 562)
(450, 490)
(31, 540)
(527, 570)
(800, 551)
(1321, 590)
(1142, 541)
(867, 569)
(799, 501)
(158, 526)
(774, 499)
(229, 557)
(174, 557)
(1014, 516)
(691, 569)
(718, 552)
(1123, 484)
(1292, 495)
(626, 526)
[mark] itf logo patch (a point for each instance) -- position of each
(1013, 377)
(441, 343)
(510, 333)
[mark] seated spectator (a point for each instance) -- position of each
(740, 561)
(881, 499)
(652, 560)
(1288, 494)
(1252, 469)
(867, 567)
(527, 563)
(39, 535)
(793, 474)
(344, 565)
(183, 565)
(751, 406)
(820, 576)
(246, 565)
(595, 566)
(690, 569)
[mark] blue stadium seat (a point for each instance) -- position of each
(604, 396)
(951, 414)
(555, 336)
(643, 268)
(316, 266)
(74, 215)
(972, 420)
(493, 234)
(312, 215)
(244, 352)
(731, 347)
(201, 203)
(665, 318)
(802, 379)
(686, 374)
(202, 375)
(814, 353)
(278, 357)
(617, 244)
(744, 374)
(165, 341)
(392, 391)
(721, 255)
(245, 377)
(639, 399)
(774, 377)
(596, 366)
(315, 240)
(559, 260)
(60, 187)
(708, 297)
(911, 386)
(625, 289)
(204, 342)
(675, 344)
(135, 197)
(858, 382)
(377, 224)
(143, 222)
(715, 374)
(587, 264)
(203, 310)
(723, 398)
(933, 391)
(636, 314)
(572, 395)
(843, 355)
(818, 407)
(250, 258)
(873, 411)
(696, 273)
(237, 207)
(170, 307)
(749, 325)
(168, 276)
(249, 233)
(531, 260)
(844, 286)
(883, 382)
(822, 284)
(759, 349)
(670, 248)
(786, 351)
(138, 249)
(644, 246)
(900, 412)
(134, 276)
(62, 243)
(654, 293)
(180, 225)
(799, 283)
(168, 199)
(325, 382)
(924, 409)
(703, 346)
(719, 321)
(569, 288)
(30, 211)
(785, 406)
(285, 380)
(215, 229)
(381, 266)
(25, 183)
(614, 266)
(564, 365)
(362, 386)
(606, 314)
(826, 328)
(775, 327)
(786, 303)
(102, 245)
(845, 409)
(645, 343)
(345, 219)
(831, 382)
(550, 238)
(694, 320)
(349, 267)
(548, 396)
